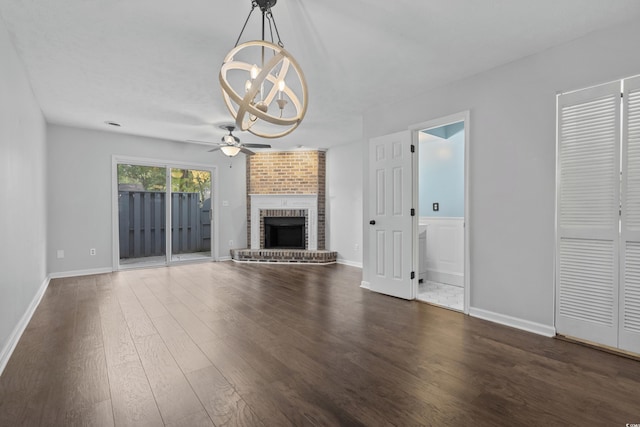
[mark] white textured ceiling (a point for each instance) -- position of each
(152, 65)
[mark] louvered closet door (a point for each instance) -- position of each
(629, 329)
(588, 203)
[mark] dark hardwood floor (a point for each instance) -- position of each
(273, 345)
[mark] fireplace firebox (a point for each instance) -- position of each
(284, 232)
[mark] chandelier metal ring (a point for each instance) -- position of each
(244, 107)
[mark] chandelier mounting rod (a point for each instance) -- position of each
(265, 6)
(253, 6)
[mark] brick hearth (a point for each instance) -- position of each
(284, 255)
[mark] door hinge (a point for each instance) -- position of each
(413, 274)
(413, 212)
(413, 148)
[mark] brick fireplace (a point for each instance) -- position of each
(283, 206)
(281, 185)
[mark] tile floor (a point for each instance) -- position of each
(443, 295)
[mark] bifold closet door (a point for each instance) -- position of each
(587, 251)
(629, 328)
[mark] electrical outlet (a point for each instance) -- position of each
(230, 243)
(225, 203)
(92, 251)
(356, 247)
(436, 207)
(60, 254)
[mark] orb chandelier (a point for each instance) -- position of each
(262, 85)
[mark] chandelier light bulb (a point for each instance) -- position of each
(281, 86)
(254, 72)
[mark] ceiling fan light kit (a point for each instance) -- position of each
(270, 99)
(230, 150)
(230, 144)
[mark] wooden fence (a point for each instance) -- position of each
(142, 219)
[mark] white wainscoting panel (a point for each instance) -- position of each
(445, 249)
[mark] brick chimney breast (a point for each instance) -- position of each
(288, 173)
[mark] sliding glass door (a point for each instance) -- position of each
(164, 214)
(190, 214)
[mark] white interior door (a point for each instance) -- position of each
(390, 220)
(588, 214)
(629, 328)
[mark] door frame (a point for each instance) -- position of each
(463, 116)
(146, 161)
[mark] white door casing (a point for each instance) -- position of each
(390, 220)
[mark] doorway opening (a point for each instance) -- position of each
(441, 197)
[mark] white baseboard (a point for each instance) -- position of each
(514, 322)
(454, 279)
(224, 258)
(7, 351)
(76, 273)
(349, 263)
(365, 285)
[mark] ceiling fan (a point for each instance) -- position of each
(230, 144)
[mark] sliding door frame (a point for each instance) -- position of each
(168, 165)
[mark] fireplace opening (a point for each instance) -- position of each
(284, 232)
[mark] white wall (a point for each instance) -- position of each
(441, 175)
(79, 186)
(344, 202)
(23, 208)
(512, 163)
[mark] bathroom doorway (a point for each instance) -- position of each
(442, 206)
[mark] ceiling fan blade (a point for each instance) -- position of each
(214, 149)
(257, 145)
(200, 142)
(247, 152)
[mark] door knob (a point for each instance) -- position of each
(372, 222)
